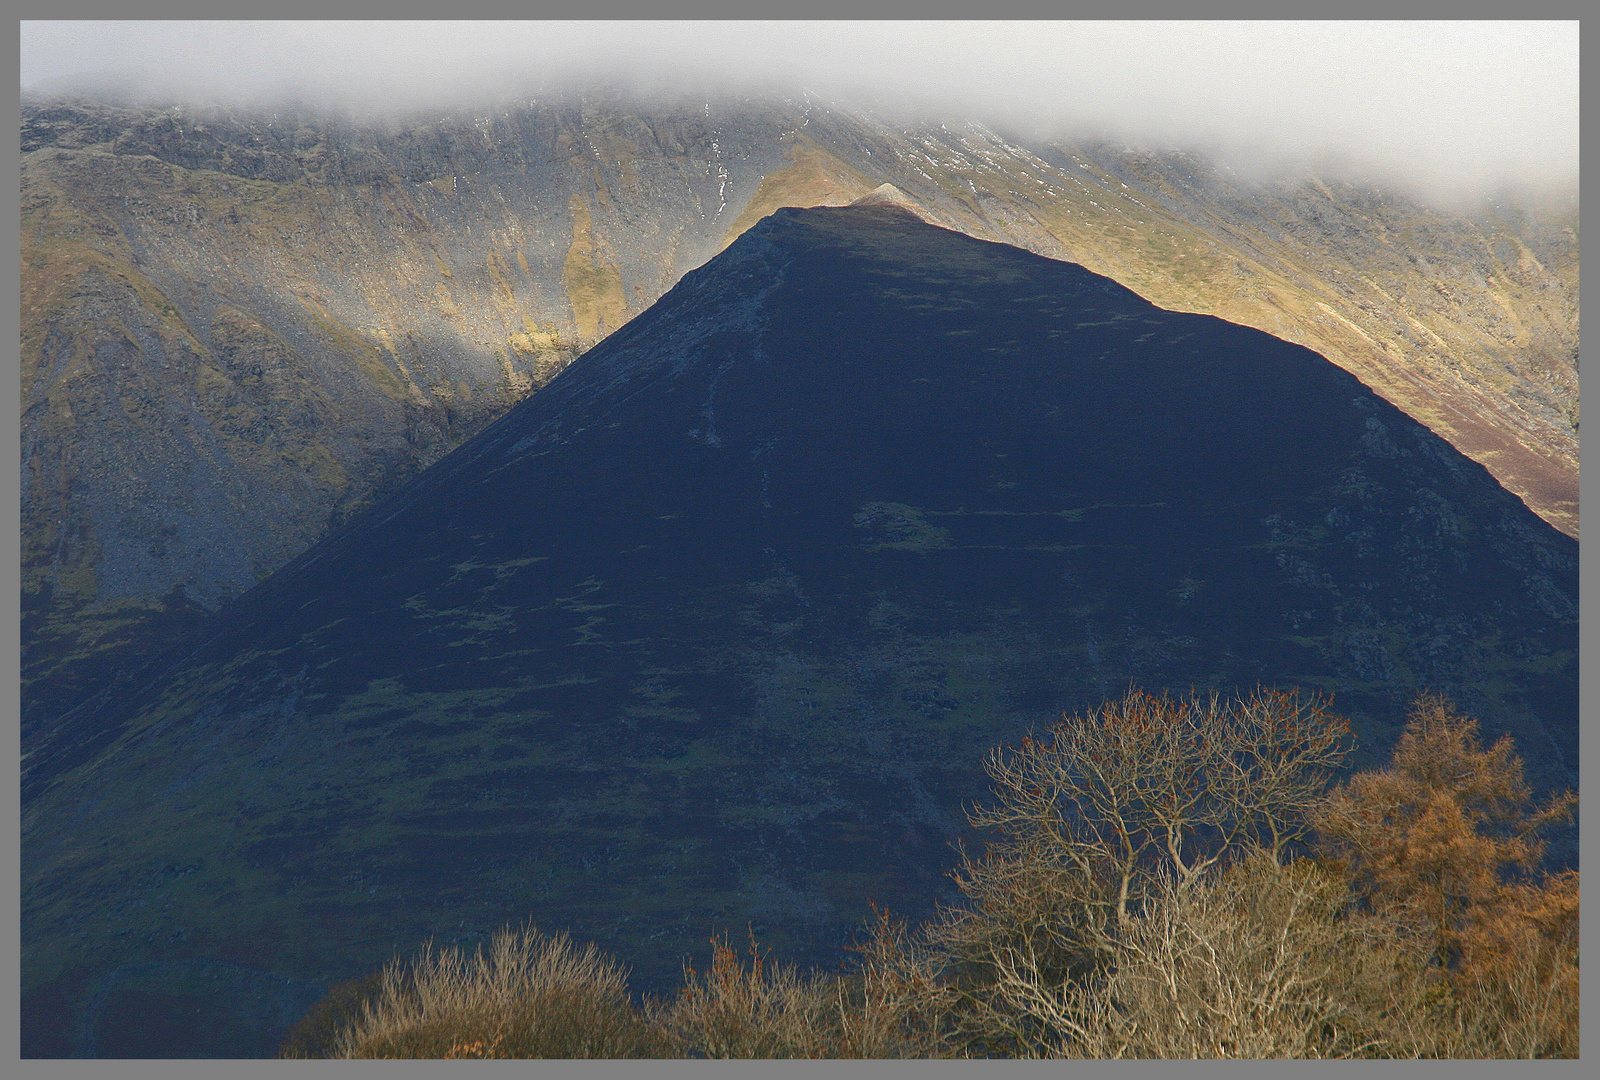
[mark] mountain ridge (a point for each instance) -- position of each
(279, 316)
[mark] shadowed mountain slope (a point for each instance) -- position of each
(239, 327)
(714, 630)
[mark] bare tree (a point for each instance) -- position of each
(1092, 818)
(1154, 781)
(1256, 962)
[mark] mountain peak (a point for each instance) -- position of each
(888, 195)
(715, 631)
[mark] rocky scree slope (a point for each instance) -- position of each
(713, 632)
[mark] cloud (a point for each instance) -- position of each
(1449, 105)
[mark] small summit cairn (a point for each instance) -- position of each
(889, 195)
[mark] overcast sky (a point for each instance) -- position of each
(1444, 103)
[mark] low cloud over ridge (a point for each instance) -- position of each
(1453, 107)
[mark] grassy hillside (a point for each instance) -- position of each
(714, 630)
(238, 328)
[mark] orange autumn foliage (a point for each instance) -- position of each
(1447, 838)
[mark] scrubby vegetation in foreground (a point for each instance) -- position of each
(1168, 878)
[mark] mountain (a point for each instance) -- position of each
(240, 327)
(714, 630)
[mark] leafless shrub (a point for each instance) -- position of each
(529, 996)
(763, 1011)
(901, 1006)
